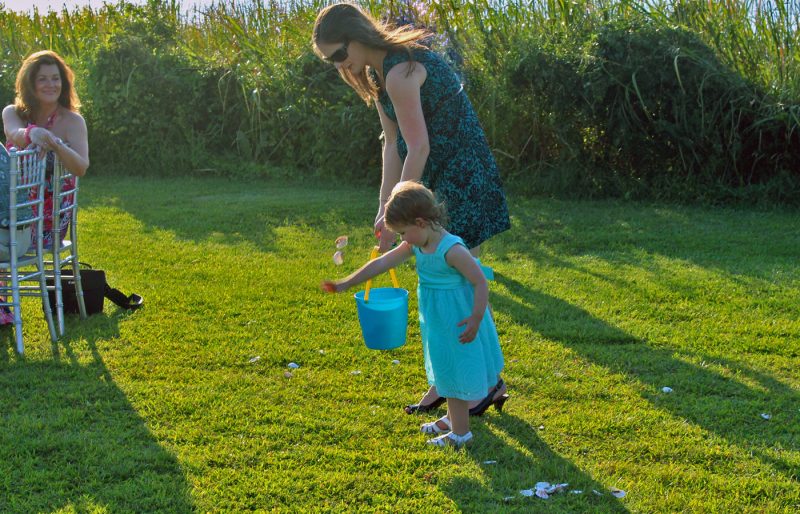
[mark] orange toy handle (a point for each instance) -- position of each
(374, 255)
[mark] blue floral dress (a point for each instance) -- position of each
(458, 370)
(461, 169)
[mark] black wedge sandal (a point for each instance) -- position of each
(490, 400)
(423, 407)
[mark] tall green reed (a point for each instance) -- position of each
(265, 96)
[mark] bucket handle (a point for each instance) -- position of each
(392, 274)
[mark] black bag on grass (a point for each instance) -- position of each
(95, 290)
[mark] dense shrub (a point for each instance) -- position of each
(684, 100)
(144, 112)
(652, 112)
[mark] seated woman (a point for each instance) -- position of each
(45, 114)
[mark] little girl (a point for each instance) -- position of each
(463, 363)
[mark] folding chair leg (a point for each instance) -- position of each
(15, 300)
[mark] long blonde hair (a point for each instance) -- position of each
(346, 22)
(25, 102)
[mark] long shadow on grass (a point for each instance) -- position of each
(230, 211)
(745, 243)
(713, 393)
(71, 440)
(526, 459)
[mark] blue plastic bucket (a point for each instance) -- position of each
(384, 318)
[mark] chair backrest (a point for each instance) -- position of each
(65, 202)
(20, 173)
(22, 198)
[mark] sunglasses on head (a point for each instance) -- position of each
(339, 55)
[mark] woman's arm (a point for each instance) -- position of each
(371, 269)
(392, 166)
(392, 169)
(460, 258)
(74, 157)
(404, 91)
(14, 127)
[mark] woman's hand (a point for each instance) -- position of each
(469, 333)
(387, 237)
(44, 139)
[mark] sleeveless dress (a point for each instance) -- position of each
(460, 169)
(6, 318)
(458, 370)
(69, 184)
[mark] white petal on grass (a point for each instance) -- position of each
(338, 258)
(293, 365)
(355, 372)
(618, 493)
(341, 242)
(287, 374)
(490, 462)
(666, 389)
(322, 352)
(541, 493)
(255, 359)
(395, 362)
(526, 492)
(576, 491)
(766, 416)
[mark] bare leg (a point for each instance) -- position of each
(458, 413)
(500, 392)
(430, 395)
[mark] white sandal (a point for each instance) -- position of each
(434, 428)
(451, 439)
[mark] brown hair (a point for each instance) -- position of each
(346, 22)
(411, 200)
(25, 102)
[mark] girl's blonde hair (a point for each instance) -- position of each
(346, 22)
(25, 102)
(412, 200)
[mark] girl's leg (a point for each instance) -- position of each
(459, 434)
(458, 413)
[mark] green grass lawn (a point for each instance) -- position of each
(185, 406)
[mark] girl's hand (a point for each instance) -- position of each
(469, 333)
(331, 287)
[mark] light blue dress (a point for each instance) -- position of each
(458, 370)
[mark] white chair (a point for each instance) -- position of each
(65, 210)
(22, 269)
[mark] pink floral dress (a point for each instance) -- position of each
(6, 317)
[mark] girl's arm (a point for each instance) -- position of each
(392, 168)
(371, 269)
(404, 91)
(460, 258)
